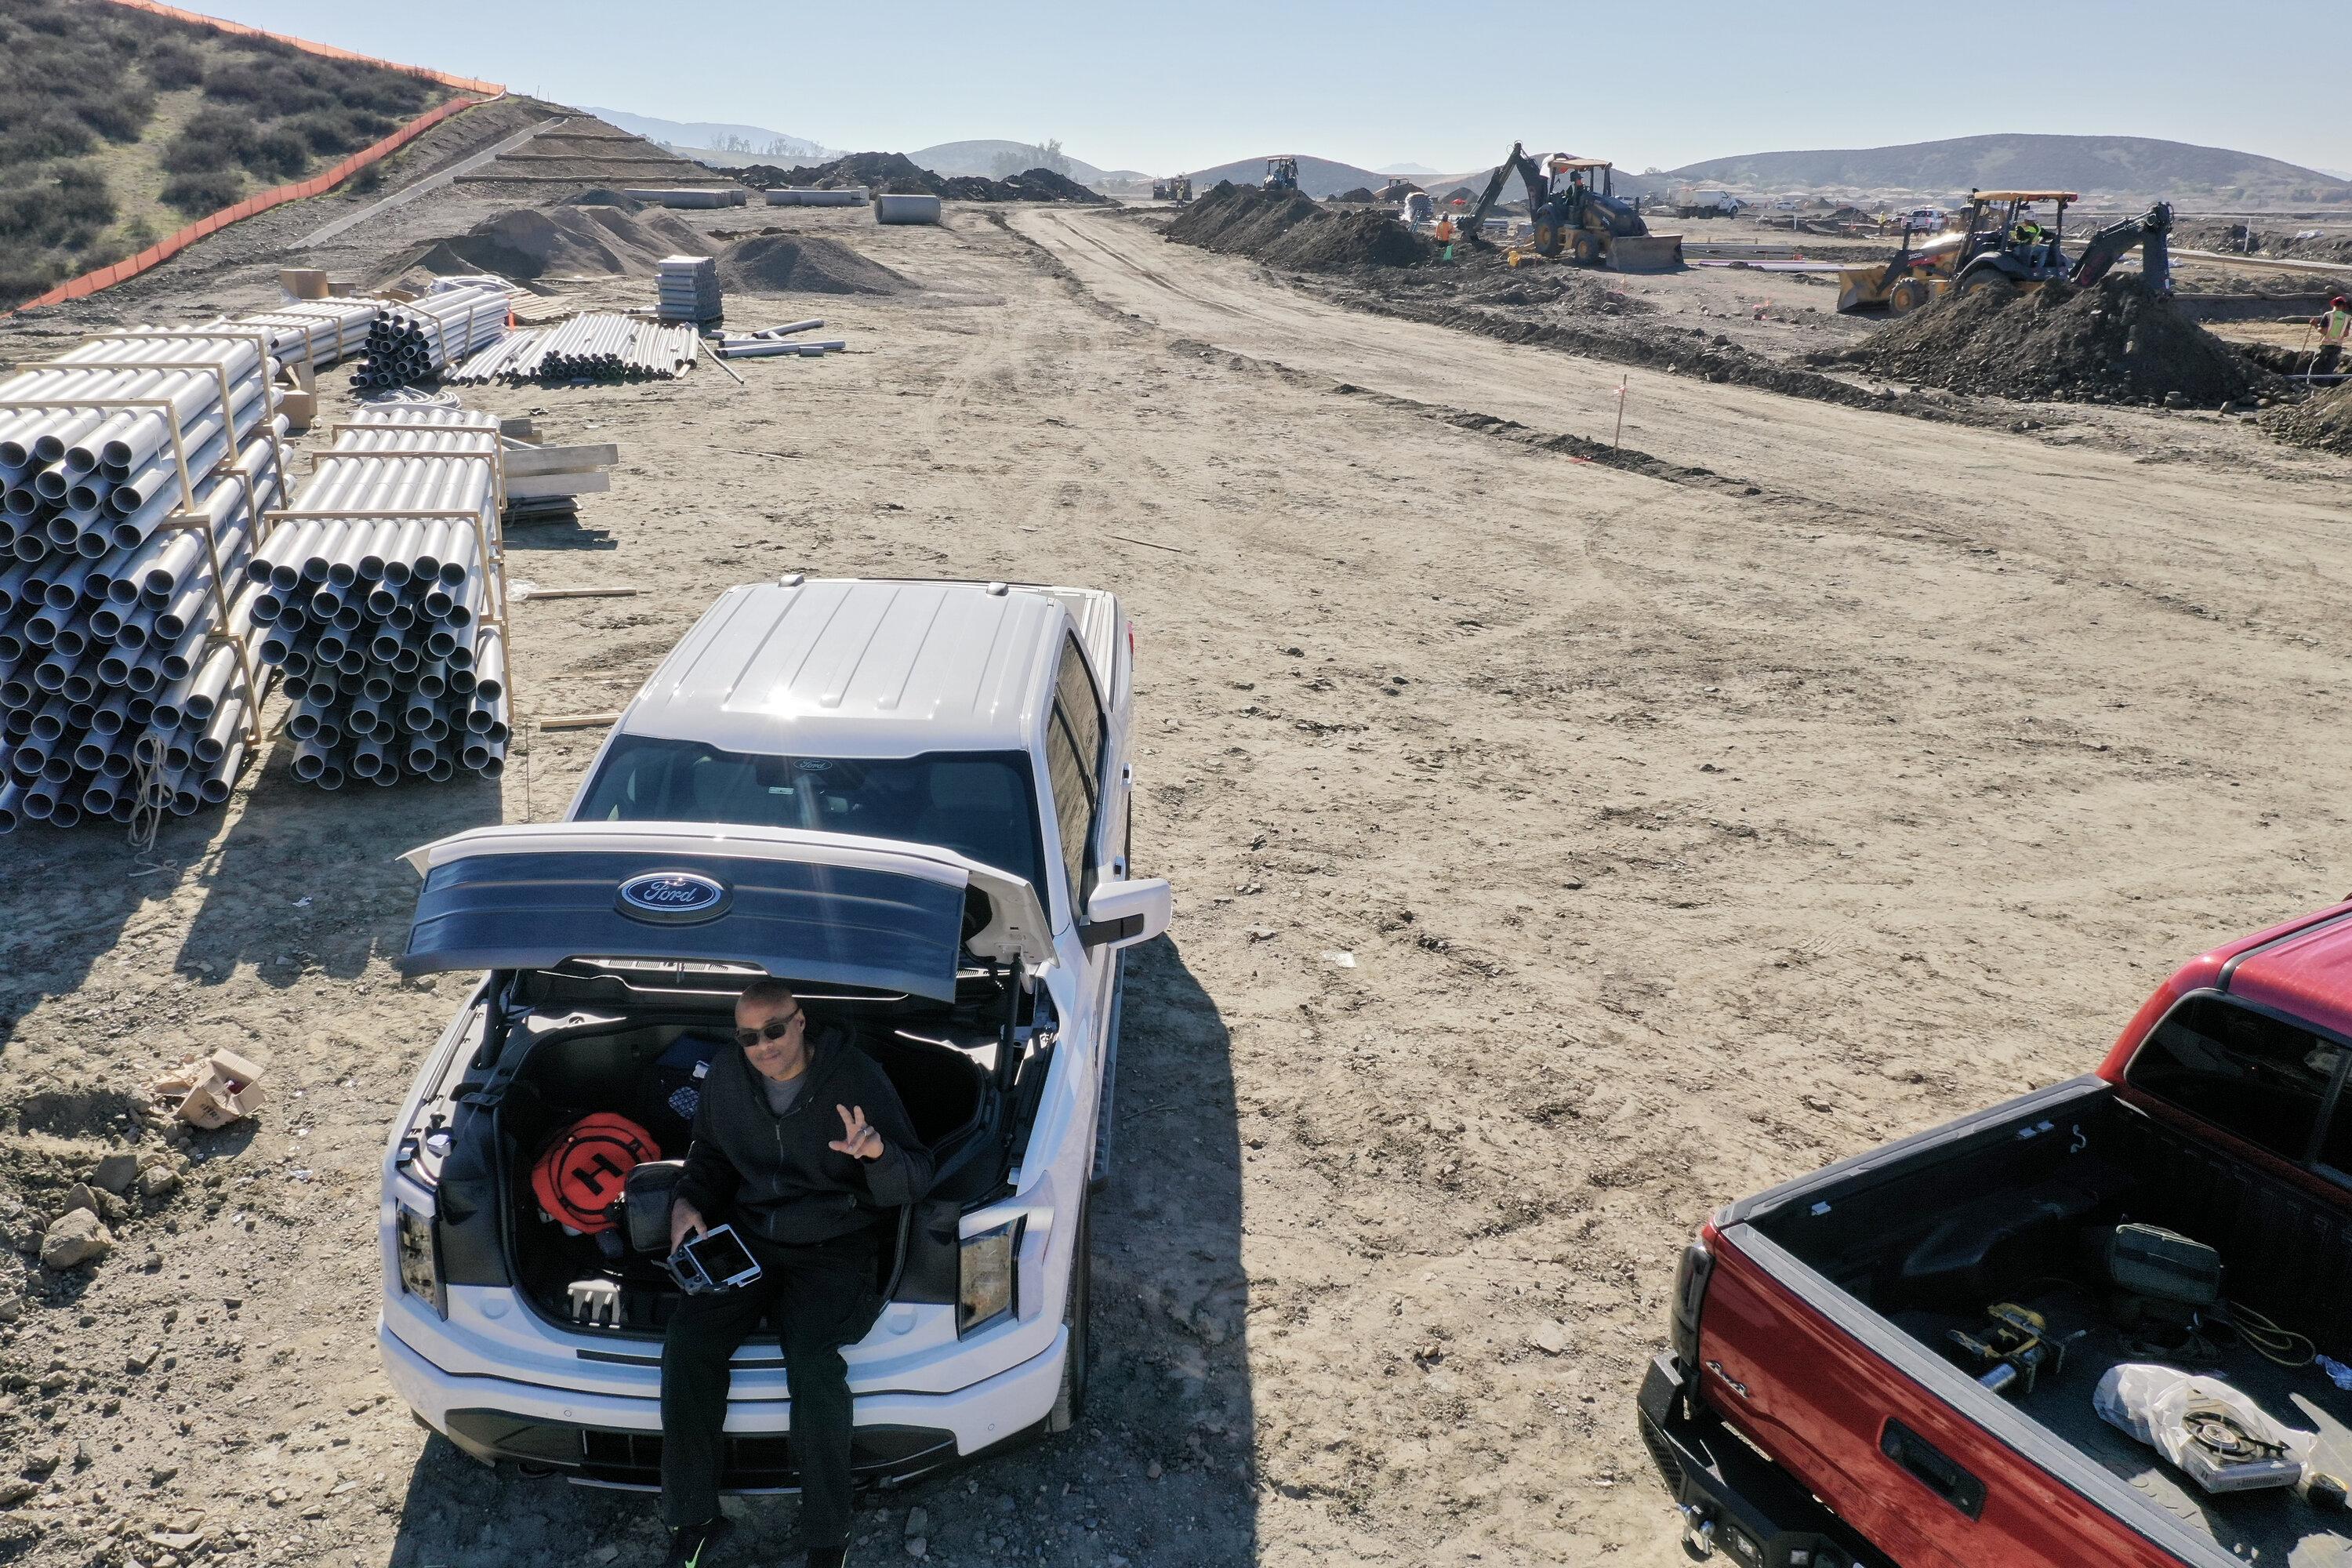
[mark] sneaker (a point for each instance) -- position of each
(690, 1544)
(828, 1556)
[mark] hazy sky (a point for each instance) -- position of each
(1452, 85)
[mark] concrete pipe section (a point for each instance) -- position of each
(905, 209)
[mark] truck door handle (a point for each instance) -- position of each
(1933, 1469)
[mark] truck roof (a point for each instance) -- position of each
(858, 667)
(2306, 972)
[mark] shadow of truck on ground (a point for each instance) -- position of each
(1159, 1470)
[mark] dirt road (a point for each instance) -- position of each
(1559, 851)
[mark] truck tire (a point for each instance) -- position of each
(1986, 278)
(1907, 296)
(1070, 1401)
(1584, 250)
(1546, 237)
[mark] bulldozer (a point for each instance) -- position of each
(1281, 174)
(2004, 245)
(1178, 190)
(1573, 206)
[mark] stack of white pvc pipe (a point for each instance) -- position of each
(384, 624)
(118, 663)
(597, 346)
(686, 289)
(496, 362)
(409, 342)
(317, 332)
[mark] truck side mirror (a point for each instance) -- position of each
(1122, 914)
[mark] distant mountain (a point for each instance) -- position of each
(2138, 165)
(1318, 177)
(1418, 173)
(981, 158)
(754, 140)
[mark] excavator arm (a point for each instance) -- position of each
(1530, 174)
(2108, 246)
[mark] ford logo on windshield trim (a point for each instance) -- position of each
(674, 898)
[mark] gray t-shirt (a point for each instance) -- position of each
(781, 1096)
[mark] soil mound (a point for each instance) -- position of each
(894, 173)
(528, 243)
(805, 264)
(2325, 422)
(1041, 185)
(1360, 194)
(2118, 341)
(1340, 241)
(1288, 229)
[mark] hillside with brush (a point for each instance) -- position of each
(118, 127)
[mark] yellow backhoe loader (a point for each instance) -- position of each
(1572, 208)
(2005, 245)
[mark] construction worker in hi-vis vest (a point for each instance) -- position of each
(2335, 331)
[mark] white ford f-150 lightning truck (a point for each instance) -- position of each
(909, 800)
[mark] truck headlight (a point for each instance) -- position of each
(420, 1258)
(985, 1270)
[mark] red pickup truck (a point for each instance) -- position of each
(1836, 1393)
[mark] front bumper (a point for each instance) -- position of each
(1735, 1502)
(615, 1440)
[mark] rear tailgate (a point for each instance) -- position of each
(1934, 1471)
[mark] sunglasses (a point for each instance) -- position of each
(773, 1029)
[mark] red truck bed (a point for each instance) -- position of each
(1811, 1416)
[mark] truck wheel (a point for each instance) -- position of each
(1584, 250)
(1986, 279)
(1906, 296)
(1546, 237)
(1070, 1403)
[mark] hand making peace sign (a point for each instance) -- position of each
(857, 1141)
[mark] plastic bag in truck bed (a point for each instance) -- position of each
(2220, 1438)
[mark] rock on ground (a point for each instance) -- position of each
(75, 1238)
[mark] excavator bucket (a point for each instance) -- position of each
(1645, 253)
(1862, 286)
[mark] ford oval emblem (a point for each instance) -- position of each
(674, 898)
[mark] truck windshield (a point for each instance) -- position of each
(2265, 1079)
(982, 805)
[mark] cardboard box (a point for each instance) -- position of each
(213, 1090)
(300, 408)
(303, 283)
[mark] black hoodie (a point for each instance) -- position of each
(776, 1176)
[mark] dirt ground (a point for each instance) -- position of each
(1561, 849)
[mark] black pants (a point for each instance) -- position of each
(2324, 364)
(815, 1298)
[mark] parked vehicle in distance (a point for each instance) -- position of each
(1899, 1358)
(1924, 220)
(911, 800)
(1693, 203)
